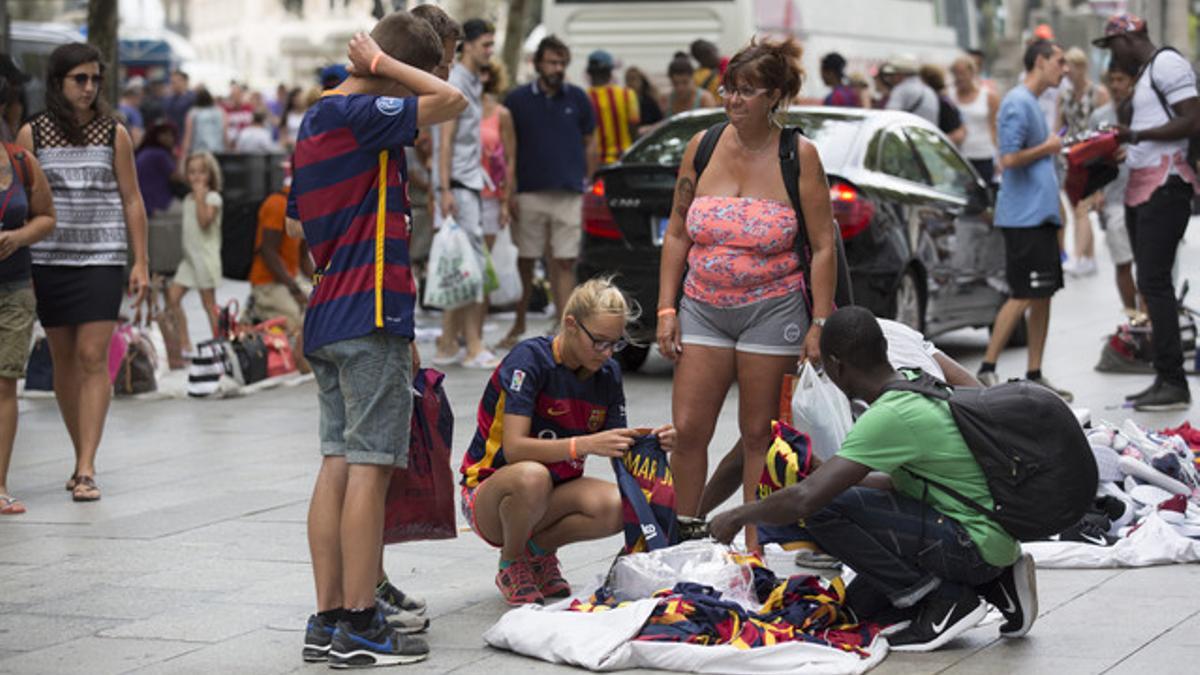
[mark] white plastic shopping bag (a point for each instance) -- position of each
(455, 276)
(504, 260)
(821, 410)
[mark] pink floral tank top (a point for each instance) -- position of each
(743, 251)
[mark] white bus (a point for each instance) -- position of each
(646, 33)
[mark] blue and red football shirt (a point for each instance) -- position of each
(533, 382)
(348, 148)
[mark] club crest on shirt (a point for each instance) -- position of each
(596, 419)
(389, 105)
(518, 379)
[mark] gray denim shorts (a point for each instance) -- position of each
(775, 327)
(365, 398)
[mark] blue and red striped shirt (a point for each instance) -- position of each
(533, 382)
(347, 148)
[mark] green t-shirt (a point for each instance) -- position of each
(905, 431)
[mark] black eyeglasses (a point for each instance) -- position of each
(604, 345)
(81, 79)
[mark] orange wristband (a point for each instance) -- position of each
(666, 310)
(375, 62)
(571, 450)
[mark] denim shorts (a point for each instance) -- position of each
(775, 326)
(365, 398)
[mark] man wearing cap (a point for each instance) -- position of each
(460, 180)
(130, 108)
(1027, 213)
(908, 92)
(616, 108)
(1158, 197)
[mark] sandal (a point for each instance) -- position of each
(85, 489)
(11, 506)
(71, 483)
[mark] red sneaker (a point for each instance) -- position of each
(517, 584)
(548, 576)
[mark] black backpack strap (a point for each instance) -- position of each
(708, 143)
(789, 165)
(953, 493)
(925, 384)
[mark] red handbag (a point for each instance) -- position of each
(280, 359)
(420, 498)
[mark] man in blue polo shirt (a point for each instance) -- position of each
(1027, 212)
(556, 156)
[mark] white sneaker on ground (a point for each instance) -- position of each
(484, 360)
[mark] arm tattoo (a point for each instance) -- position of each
(685, 191)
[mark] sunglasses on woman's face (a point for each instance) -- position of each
(81, 79)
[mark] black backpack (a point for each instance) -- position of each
(1038, 464)
(1193, 149)
(789, 164)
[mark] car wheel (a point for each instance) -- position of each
(632, 357)
(908, 306)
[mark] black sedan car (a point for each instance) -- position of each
(914, 216)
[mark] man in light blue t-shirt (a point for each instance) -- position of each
(1027, 211)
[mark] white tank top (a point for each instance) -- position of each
(978, 143)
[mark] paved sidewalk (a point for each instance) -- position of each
(195, 561)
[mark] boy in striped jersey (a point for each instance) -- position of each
(349, 193)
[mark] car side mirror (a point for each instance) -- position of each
(979, 197)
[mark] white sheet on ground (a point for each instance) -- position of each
(603, 641)
(1155, 542)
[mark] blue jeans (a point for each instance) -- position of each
(901, 548)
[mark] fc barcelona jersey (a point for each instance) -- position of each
(532, 382)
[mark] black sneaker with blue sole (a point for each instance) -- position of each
(379, 645)
(318, 636)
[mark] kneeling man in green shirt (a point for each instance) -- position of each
(923, 559)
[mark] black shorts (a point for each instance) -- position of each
(1033, 265)
(70, 296)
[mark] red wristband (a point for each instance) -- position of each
(375, 62)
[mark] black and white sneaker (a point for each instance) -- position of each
(1014, 593)
(379, 645)
(402, 620)
(397, 598)
(939, 620)
(318, 636)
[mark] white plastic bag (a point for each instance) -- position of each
(504, 260)
(455, 277)
(821, 410)
(640, 575)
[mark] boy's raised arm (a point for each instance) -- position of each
(437, 101)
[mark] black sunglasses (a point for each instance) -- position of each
(604, 345)
(81, 79)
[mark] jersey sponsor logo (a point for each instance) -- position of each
(518, 379)
(558, 410)
(389, 105)
(596, 419)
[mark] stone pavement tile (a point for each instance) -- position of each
(29, 526)
(1103, 627)
(296, 512)
(997, 661)
(46, 585)
(117, 602)
(20, 632)
(203, 507)
(94, 656)
(1160, 660)
(83, 554)
(262, 652)
(292, 587)
(281, 542)
(206, 622)
(213, 574)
